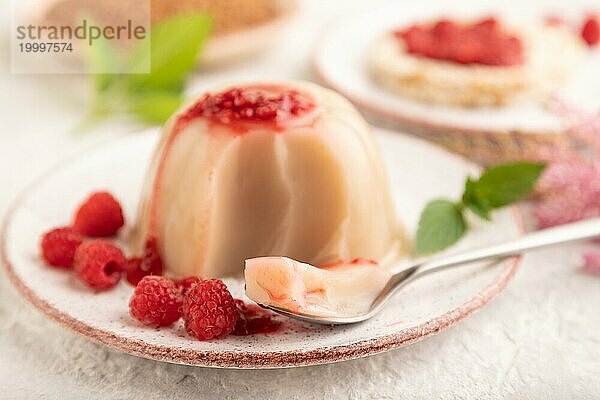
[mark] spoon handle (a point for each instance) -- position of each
(547, 237)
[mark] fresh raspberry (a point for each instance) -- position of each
(253, 319)
(149, 264)
(133, 272)
(186, 284)
(209, 310)
(241, 325)
(156, 301)
(100, 216)
(59, 245)
(99, 264)
(590, 31)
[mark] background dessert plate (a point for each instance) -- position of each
(238, 34)
(239, 44)
(487, 134)
(423, 309)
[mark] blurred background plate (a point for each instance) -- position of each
(241, 28)
(488, 135)
(237, 44)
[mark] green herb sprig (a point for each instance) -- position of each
(442, 222)
(175, 46)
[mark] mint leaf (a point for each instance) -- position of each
(155, 107)
(473, 203)
(505, 184)
(175, 45)
(100, 57)
(441, 225)
(477, 209)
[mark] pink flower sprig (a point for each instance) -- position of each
(583, 127)
(569, 189)
(570, 192)
(591, 262)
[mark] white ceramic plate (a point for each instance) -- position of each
(340, 60)
(418, 172)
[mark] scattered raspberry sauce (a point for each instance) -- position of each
(254, 320)
(243, 107)
(355, 261)
(149, 264)
(590, 31)
(482, 42)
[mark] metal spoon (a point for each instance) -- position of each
(547, 237)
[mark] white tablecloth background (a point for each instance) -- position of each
(540, 339)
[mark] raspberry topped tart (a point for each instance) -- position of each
(270, 169)
(484, 62)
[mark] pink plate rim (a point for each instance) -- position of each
(241, 359)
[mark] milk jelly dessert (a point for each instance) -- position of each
(267, 169)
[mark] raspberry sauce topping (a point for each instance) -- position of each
(482, 42)
(245, 107)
